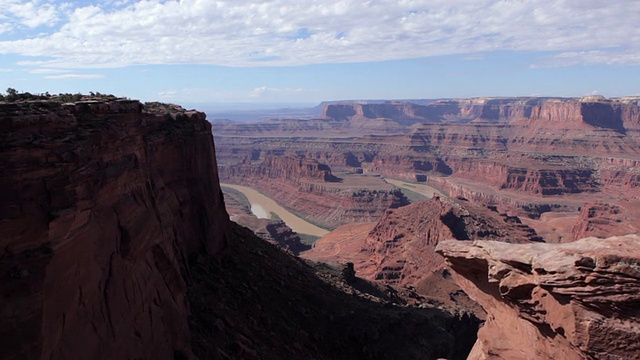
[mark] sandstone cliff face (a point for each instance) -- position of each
(292, 169)
(552, 301)
(617, 114)
(102, 206)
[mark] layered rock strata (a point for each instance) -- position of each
(615, 114)
(308, 187)
(552, 301)
(102, 205)
(533, 155)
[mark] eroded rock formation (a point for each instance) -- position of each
(102, 205)
(399, 249)
(530, 155)
(308, 187)
(577, 300)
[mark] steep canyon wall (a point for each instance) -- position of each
(103, 205)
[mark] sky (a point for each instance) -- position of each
(307, 51)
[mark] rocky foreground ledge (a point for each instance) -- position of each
(579, 300)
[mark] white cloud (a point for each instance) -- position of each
(293, 32)
(75, 76)
(47, 71)
(169, 94)
(31, 14)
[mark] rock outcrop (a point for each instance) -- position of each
(577, 300)
(399, 250)
(102, 206)
(401, 246)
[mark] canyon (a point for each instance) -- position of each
(116, 244)
(521, 171)
(527, 156)
(447, 216)
(309, 188)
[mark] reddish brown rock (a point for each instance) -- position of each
(102, 205)
(307, 187)
(292, 169)
(604, 220)
(400, 249)
(342, 245)
(552, 301)
(525, 155)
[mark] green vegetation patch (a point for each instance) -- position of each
(274, 216)
(413, 196)
(238, 195)
(308, 239)
(13, 95)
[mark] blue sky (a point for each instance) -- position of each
(296, 51)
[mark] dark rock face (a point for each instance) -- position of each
(102, 205)
(270, 305)
(552, 301)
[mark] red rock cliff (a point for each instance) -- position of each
(290, 168)
(102, 205)
(552, 301)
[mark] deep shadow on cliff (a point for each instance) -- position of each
(115, 244)
(270, 305)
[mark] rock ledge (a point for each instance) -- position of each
(579, 300)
